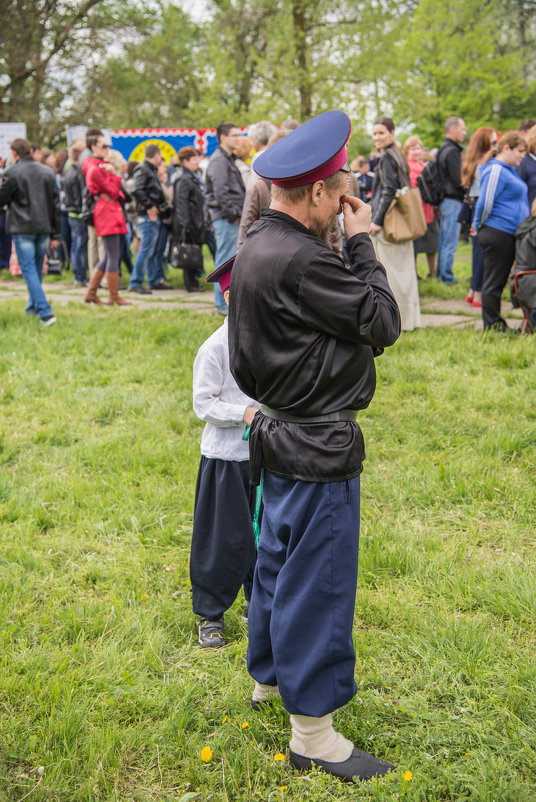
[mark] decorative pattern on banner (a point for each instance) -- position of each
(131, 142)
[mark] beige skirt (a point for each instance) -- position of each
(399, 262)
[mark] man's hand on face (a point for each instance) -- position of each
(357, 216)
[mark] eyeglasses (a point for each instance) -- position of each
(106, 147)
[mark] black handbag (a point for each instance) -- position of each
(465, 216)
(187, 256)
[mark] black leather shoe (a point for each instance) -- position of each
(211, 633)
(360, 766)
(140, 290)
(162, 286)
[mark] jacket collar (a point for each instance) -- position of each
(273, 214)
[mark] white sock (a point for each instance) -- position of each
(315, 738)
(261, 693)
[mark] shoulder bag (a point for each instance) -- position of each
(404, 219)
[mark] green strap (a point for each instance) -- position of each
(256, 527)
(258, 499)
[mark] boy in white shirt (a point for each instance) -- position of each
(223, 551)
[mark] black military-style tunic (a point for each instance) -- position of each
(303, 333)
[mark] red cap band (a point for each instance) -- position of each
(324, 171)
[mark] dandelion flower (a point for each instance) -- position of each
(279, 756)
(245, 724)
(224, 719)
(408, 776)
(283, 787)
(144, 597)
(206, 754)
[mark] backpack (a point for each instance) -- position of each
(88, 205)
(430, 184)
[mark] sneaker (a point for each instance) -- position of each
(48, 320)
(245, 612)
(223, 312)
(140, 290)
(211, 633)
(81, 283)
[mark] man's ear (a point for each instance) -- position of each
(317, 191)
(226, 296)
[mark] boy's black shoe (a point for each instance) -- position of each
(48, 320)
(360, 765)
(245, 612)
(211, 633)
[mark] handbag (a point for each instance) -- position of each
(404, 219)
(186, 255)
(465, 216)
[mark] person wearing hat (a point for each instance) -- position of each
(223, 551)
(303, 334)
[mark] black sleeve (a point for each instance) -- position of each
(354, 304)
(387, 175)
(7, 189)
(181, 208)
(452, 165)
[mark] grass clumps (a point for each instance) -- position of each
(104, 694)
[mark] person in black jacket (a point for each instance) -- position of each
(150, 205)
(33, 219)
(303, 334)
(73, 188)
(449, 164)
(188, 221)
(225, 192)
(397, 257)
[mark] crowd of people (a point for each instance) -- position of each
(106, 213)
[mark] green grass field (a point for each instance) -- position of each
(104, 694)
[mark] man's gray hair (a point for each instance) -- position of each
(452, 122)
(261, 132)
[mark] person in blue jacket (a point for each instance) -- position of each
(501, 207)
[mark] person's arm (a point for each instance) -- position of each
(181, 208)
(489, 186)
(7, 189)
(387, 175)
(257, 198)
(207, 386)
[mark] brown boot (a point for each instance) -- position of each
(95, 280)
(113, 290)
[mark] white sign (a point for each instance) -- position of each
(9, 132)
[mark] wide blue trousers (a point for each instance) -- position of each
(303, 600)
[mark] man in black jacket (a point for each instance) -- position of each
(449, 163)
(225, 193)
(303, 334)
(150, 202)
(73, 188)
(33, 219)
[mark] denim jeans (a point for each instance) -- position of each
(449, 234)
(146, 258)
(31, 250)
(159, 251)
(78, 248)
(226, 239)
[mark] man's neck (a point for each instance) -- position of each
(226, 149)
(299, 212)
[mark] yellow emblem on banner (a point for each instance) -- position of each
(167, 150)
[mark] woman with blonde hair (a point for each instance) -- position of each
(413, 151)
(481, 148)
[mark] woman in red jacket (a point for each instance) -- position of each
(109, 223)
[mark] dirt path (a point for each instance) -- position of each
(434, 311)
